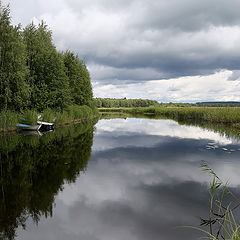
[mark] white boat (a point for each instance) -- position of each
(45, 126)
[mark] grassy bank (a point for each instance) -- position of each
(224, 115)
(71, 114)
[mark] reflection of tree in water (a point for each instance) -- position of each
(33, 169)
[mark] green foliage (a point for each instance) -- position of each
(68, 115)
(79, 79)
(49, 83)
(48, 115)
(221, 221)
(29, 117)
(215, 115)
(123, 103)
(8, 120)
(33, 74)
(62, 118)
(218, 104)
(73, 112)
(14, 91)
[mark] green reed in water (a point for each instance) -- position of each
(222, 221)
(224, 115)
(9, 119)
(29, 117)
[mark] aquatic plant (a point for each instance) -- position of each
(222, 220)
(75, 113)
(217, 115)
(8, 120)
(29, 117)
(48, 115)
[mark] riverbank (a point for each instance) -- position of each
(71, 115)
(223, 115)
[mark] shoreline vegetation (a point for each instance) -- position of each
(221, 115)
(36, 79)
(71, 115)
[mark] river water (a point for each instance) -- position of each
(123, 179)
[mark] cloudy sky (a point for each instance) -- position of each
(168, 50)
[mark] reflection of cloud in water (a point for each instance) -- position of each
(140, 185)
(170, 128)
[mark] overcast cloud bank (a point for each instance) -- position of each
(138, 42)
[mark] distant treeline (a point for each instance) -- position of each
(33, 74)
(132, 103)
(115, 103)
(218, 104)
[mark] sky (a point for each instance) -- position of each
(168, 50)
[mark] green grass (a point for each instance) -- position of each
(75, 113)
(217, 115)
(48, 115)
(9, 119)
(29, 117)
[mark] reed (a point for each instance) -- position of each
(62, 118)
(8, 120)
(48, 115)
(29, 117)
(222, 222)
(75, 113)
(217, 115)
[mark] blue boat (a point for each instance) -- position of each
(28, 127)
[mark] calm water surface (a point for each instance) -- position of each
(130, 179)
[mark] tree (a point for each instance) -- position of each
(79, 79)
(14, 91)
(47, 78)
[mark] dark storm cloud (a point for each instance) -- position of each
(151, 24)
(185, 15)
(165, 65)
(143, 40)
(188, 15)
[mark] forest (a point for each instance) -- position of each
(34, 75)
(124, 102)
(218, 104)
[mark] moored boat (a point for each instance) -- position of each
(45, 126)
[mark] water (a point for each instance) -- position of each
(127, 179)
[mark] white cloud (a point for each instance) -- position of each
(215, 87)
(126, 41)
(162, 127)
